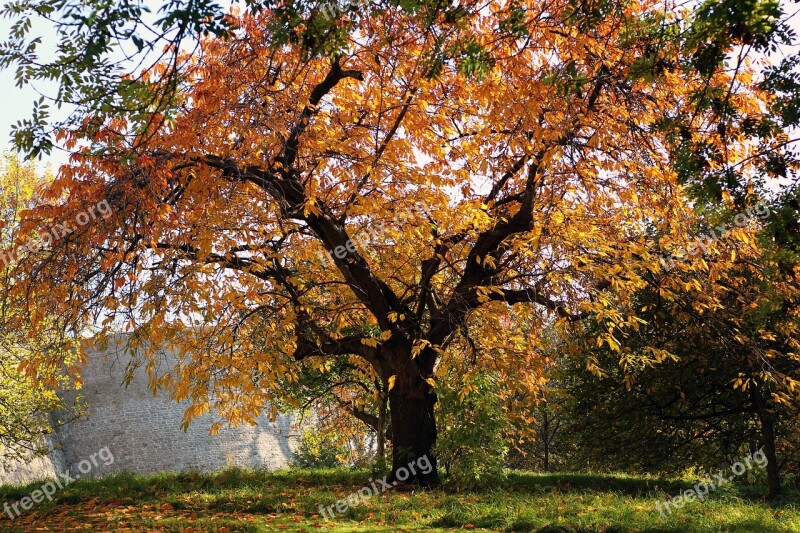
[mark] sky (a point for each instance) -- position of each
(16, 103)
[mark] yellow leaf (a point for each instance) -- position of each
(373, 343)
(391, 382)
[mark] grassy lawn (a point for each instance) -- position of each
(256, 501)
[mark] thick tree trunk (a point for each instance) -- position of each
(411, 403)
(768, 436)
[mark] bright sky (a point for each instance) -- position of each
(17, 102)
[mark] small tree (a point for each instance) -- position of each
(28, 409)
(343, 397)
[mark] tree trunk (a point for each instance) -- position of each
(546, 440)
(411, 404)
(380, 453)
(768, 436)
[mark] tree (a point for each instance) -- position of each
(730, 384)
(27, 412)
(342, 395)
(385, 203)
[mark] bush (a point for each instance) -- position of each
(471, 447)
(318, 450)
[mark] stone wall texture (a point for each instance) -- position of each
(46, 467)
(143, 432)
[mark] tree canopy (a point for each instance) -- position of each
(100, 44)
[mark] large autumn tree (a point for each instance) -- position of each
(382, 202)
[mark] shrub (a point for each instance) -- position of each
(318, 449)
(470, 446)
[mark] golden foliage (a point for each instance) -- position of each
(358, 205)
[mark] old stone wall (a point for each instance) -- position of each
(143, 432)
(34, 469)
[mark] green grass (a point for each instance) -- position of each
(239, 500)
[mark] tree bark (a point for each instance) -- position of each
(546, 431)
(768, 436)
(411, 403)
(380, 453)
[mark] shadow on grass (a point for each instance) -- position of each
(571, 482)
(632, 485)
(155, 486)
(526, 501)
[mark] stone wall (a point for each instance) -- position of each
(143, 431)
(45, 467)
